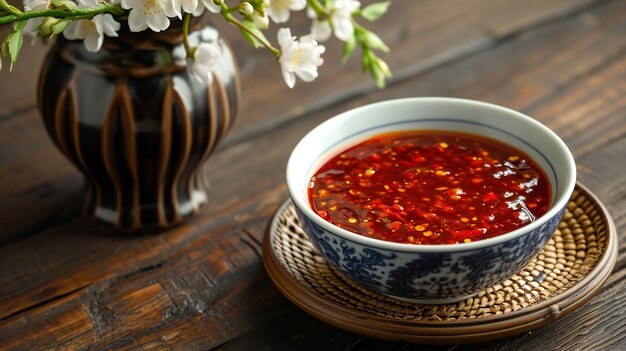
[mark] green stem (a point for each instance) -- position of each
(358, 27)
(230, 9)
(317, 7)
(80, 13)
(186, 21)
(234, 21)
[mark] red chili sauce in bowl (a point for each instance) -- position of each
(430, 187)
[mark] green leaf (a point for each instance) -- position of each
(373, 41)
(366, 63)
(254, 29)
(14, 42)
(348, 49)
(375, 11)
(249, 37)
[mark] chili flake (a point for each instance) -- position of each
(462, 187)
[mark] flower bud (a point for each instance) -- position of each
(260, 20)
(7, 7)
(60, 26)
(46, 28)
(245, 9)
(382, 66)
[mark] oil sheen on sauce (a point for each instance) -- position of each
(430, 187)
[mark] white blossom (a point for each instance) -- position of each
(320, 30)
(31, 24)
(178, 6)
(149, 14)
(206, 4)
(278, 10)
(94, 30)
(205, 57)
(188, 6)
(35, 4)
(341, 18)
(299, 57)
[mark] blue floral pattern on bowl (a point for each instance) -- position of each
(429, 275)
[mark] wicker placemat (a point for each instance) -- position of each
(571, 268)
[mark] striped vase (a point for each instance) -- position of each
(137, 124)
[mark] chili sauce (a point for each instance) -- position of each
(430, 187)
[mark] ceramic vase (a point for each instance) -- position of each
(137, 123)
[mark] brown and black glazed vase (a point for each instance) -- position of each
(137, 124)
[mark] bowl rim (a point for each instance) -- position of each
(558, 203)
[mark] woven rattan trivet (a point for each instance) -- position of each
(569, 271)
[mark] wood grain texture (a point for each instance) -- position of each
(67, 283)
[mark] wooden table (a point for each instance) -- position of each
(69, 283)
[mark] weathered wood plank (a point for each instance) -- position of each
(288, 334)
(598, 325)
(101, 278)
(197, 289)
(38, 186)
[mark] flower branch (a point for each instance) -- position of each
(368, 42)
(92, 20)
(256, 34)
(316, 6)
(186, 23)
(59, 13)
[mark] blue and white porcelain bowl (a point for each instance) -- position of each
(430, 273)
